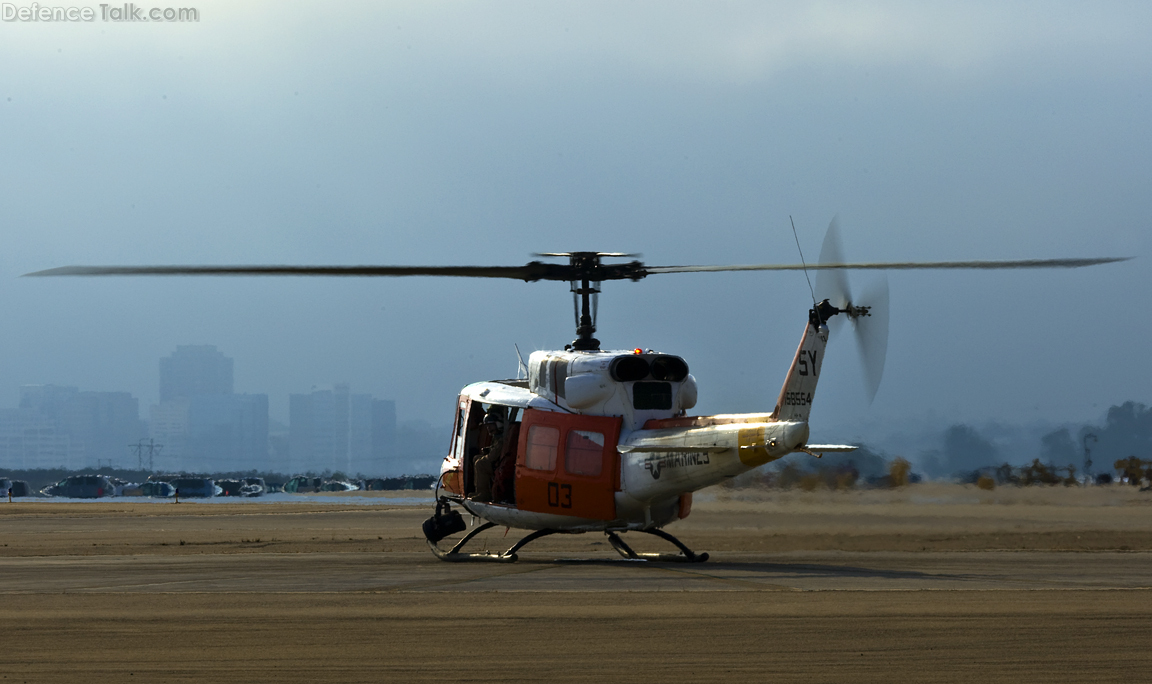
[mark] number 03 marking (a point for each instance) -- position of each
(559, 495)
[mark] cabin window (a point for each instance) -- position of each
(584, 453)
(652, 396)
(542, 444)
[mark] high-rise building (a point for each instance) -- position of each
(62, 426)
(168, 426)
(318, 430)
(202, 425)
(359, 433)
(228, 432)
(383, 435)
(29, 439)
(195, 370)
(335, 430)
(104, 423)
(278, 456)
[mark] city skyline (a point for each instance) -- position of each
(199, 425)
(66, 433)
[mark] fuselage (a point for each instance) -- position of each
(601, 440)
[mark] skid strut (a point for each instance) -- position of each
(455, 555)
(686, 554)
(446, 522)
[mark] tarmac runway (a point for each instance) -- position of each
(1014, 590)
(585, 573)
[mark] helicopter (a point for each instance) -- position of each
(601, 441)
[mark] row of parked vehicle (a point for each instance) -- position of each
(99, 486)
(166, 486)
(304, 484)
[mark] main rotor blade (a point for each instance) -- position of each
(896, 265)
(533, 271)
(537, 270)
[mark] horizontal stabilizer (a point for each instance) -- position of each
(829, 448)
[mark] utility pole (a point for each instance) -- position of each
(153, 449)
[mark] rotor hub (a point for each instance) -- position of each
(825, 310)
(588, 272)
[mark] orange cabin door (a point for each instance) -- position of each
(568, 464)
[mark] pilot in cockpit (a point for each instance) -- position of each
(486, 460)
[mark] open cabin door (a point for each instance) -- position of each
(568, 464)
(471, 439)
(465, 445)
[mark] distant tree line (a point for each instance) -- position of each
(1126, 433)
(857, 469)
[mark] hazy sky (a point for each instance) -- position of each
(480, 132)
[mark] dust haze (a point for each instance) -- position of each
(435, 133)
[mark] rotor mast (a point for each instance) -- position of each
(588, 291)
(584, 274)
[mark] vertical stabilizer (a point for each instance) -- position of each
(795, 402)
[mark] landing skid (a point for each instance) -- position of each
(455, 555)
(686, 554)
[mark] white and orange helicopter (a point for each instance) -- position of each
(601, 441)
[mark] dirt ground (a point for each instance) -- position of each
(928, 583)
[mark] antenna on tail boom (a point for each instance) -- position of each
(802, 262)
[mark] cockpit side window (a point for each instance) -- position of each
(584, 453)
(543, 442)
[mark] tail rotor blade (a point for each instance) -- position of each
(832, 283)
(872, 336)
